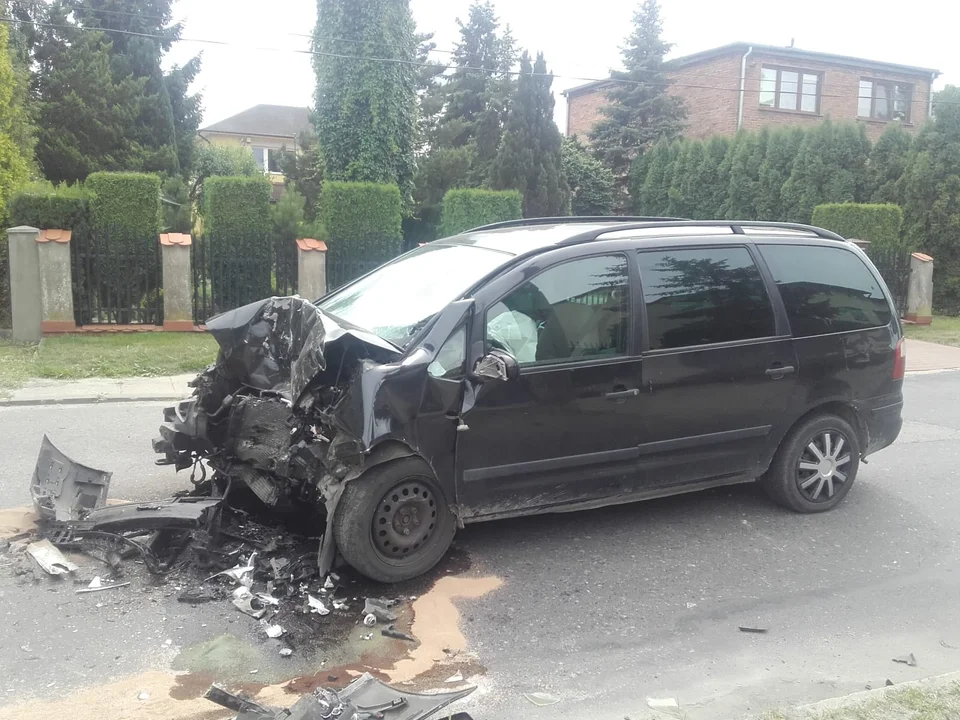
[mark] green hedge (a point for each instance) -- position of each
(125, 202)
(43, 206)
(879, 223)
(466, 209)
(239, 250)
(363, 227)
(237, 204)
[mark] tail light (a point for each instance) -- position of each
(899, 361)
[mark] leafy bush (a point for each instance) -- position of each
(237, 230)
(878, 223)
(226, 160)
(591, 182)
(363, 226)
(466, 209)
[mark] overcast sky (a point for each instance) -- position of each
(582, 41)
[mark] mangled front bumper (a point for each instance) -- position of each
(267, 414)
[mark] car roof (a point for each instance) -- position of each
(520, 237)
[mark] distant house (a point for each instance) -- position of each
(742, 85)
(266, 130)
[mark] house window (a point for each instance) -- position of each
(789, 89)
(884, 100)
(268, 159)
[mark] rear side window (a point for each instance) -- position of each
(826, 290)
(703, 296)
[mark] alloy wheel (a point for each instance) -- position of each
(823, 465)
(404, 520)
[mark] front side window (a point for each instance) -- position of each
(451, 358)
(789, 89)
(884, 100)
(704, 296)
(826, 290)
(574, 311)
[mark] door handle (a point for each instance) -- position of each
(621, 394)
(778, 372)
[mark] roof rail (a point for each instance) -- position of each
(736, 227)
(574, 219)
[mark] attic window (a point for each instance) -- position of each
(784, 88)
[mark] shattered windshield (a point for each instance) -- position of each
(398, 299)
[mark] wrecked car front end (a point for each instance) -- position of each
(293, 406)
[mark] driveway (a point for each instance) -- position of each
(601, 609)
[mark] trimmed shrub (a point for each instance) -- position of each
(43, 206)
(128, 203)
(363, 227)
(878, 223)
(237, 225)
(466, 209)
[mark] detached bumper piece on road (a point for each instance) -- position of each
(363, 699)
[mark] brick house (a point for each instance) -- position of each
(749, 86)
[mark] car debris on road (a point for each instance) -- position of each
(365, 698)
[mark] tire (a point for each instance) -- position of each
(369, 524)
(801, 477)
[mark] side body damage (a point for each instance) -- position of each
(298, 403)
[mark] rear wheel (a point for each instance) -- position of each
(815, 466)
(392, 523)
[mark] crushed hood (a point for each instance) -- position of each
(283, 344)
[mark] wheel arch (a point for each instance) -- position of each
(840, 408)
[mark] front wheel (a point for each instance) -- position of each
(815, 466)
(393, 523)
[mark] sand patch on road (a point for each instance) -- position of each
(17, 521)
(436, 624)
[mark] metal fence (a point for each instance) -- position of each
(230, 271)
(117, 278)
(894, 266)
(341, 270)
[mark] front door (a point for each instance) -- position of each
(719, 370)
(565, 430)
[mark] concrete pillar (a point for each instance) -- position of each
(25, 283)
(177, 282)
(56, 282)
(920, 290)
(311, 268)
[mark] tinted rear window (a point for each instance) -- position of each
(826, 290)
(703, 296)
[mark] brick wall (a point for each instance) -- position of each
(711, 91)
(583, 111)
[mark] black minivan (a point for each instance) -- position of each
(547, 366)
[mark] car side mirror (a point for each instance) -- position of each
(496, 365)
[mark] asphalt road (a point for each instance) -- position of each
(602, 609)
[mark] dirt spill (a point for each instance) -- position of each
(16, 521)
(436, 624)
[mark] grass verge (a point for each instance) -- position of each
(912, 703)
(944, 330)
(114, 355)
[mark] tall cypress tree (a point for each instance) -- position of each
(743, 191)
(529, 158)
(640, 109)
(931, 193)
(830, 167)
(782, 149)
(141, 33)
(679, 203)
(712, 181)
(887, 165)
(478, 92)
(366, 110)
(655, 191)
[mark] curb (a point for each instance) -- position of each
(813, 710)
(93, 400)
